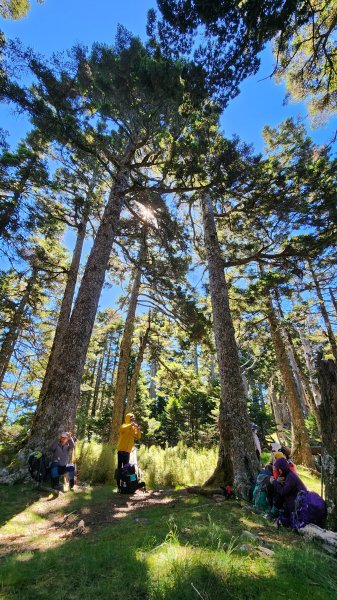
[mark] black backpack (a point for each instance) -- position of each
(38, 466)
(129, 481)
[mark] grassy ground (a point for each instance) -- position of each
(158, 546)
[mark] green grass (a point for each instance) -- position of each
(183, 552)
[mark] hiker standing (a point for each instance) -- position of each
(62, 449)
(256, 441)
(128, 433)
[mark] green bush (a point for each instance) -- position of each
(160, 467)
(96, 462)
(176, 466)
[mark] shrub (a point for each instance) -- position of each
(160, 467)
(96, 462)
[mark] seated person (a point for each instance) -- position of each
(286, 486)
(62, 449)
(263, 490)
(280, 454)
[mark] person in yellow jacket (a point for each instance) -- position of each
(128, 433)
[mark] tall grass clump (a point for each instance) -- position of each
(96, 462)
(176, 466)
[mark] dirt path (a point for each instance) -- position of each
(46, 523)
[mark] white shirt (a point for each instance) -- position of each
(256, 441)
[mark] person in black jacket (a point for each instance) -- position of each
(62, 448)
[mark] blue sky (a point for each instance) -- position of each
(57, 25)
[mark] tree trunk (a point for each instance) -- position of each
(327, 379)
(309, 362)
(333, 299)
(65, 310)
(131, 396)
(97, 386)
(237, 458)
(196, 359)
(15, 327)
(277, 405)
(324, 313)
(153, 372)
(300, 440)
(124, 355)
(10, 400)
(106, 372)
(295, 362)
(57, 408)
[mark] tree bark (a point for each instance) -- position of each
(324, 313)
(65, 310)
(309, 362)
(280, 411)
(124, 354)
(300, 440)
(237, 463)
(327, 379)
(57, 408)
(131, 396)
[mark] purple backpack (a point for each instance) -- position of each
(309, 508)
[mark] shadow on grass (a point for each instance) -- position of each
(173, 552)
(15, 498)
(101, 565)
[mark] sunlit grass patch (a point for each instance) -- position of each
(312, 481)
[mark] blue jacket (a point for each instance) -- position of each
(289, 488)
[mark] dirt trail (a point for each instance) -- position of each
(46, 523)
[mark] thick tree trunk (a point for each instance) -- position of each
(300, 440)
(237, 458)
(324, 313)
(327, 379)
(57, 408)
(15, 327)
(65, 310)
(131, 396)
(124, 354)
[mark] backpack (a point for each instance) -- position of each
(260, 497)
(309, 508)
(129, 481)
(38, 466)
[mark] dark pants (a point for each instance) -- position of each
(56, 470)
(123, 459)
